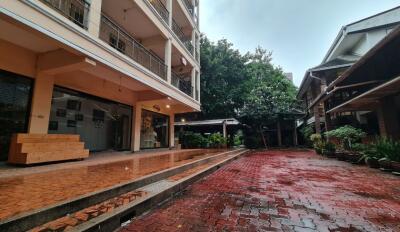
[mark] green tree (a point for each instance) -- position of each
(222, 75)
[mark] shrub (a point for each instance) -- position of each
(307, 131)
(387, 148)
(217, 140)
(328, 148)
(347, 135)
(318, 143)
(189, 139)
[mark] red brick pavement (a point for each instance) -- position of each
(282, 191)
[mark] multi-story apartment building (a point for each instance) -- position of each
(113, 72)
(353, 42)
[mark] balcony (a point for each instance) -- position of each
(182, 37)
(189, 7)
(197, 56)
(161, 9)
(75, 10)
(179, 82)
(117, 38)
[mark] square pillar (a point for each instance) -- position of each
(317, 120)
(167, 58)
(94, 17)
(41, 104)
(388, 118)
(136, 127)
(169, 8)
(171, 130)
(192, 81)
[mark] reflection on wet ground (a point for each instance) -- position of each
(27, 192)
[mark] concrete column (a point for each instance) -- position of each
(279, 132)
(193, 79)
(194, 42)
(41, 104)
(167, 58)
(136, 126)
(295, 141)
(94, 17)
(388, 118)
(169, 8)
(171, 130)
(198, 84)
(224, 129)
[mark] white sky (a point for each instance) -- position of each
(298, 32)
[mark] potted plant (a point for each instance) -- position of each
(371, 157)
(329, 150)
(356, 154)
(318, 144)
(348, 136)
(387, 150)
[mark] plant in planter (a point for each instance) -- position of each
(216, 140)
(329, 149)
(371, 156)
(356, 154)
(389, 151)
(348, 136)
(318, 143)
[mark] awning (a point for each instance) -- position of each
(369, 99)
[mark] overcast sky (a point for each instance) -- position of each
(298, 32)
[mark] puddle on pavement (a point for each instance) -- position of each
(27, 192)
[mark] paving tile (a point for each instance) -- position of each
(282, 191)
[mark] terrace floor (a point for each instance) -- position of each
(282, 191)
(24, 189)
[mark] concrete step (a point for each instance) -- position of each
(112, 213)
(41, 216)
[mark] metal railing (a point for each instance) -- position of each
(117, 38)
(179, 82)
(161, 9)
(75, 10)
(184, 39)
(189, 7)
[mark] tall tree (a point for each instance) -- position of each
(222, 76)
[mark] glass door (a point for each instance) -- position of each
(15, 95)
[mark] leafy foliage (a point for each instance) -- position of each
(217, 140)
(348, 135)
(247, 87)
(306, 132)
(189, 139)
(387, 148)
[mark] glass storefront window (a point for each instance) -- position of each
(154, 131)
(101, 124)
(15, 94)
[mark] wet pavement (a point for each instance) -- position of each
(282, 191)
(23, 193)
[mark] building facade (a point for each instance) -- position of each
(113, 72)
(350, 47)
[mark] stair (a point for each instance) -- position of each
(41, 148)
(105, 210)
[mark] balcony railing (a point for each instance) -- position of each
(189, 7)
(161, 9)
(75, 10)
(179, 82)
(117, 38)
(179, 33)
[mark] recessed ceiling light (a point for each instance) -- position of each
(168, 106)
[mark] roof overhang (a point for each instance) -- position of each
(369, 99)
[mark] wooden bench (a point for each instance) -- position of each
(42, 148)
